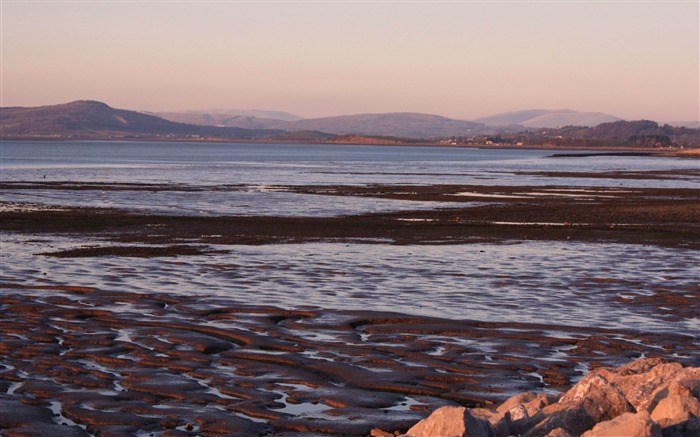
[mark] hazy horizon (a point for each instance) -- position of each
(463, 60)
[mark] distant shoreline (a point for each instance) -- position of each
(597, 151)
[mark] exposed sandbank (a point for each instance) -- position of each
(661, 216)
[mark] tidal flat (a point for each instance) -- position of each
(336, 325)
(105, 363)
(335, 297)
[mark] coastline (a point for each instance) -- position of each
(631, 151)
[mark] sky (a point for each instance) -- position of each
(460, 59)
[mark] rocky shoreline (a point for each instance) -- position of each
(645, 398)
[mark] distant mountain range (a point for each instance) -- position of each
(538, 118)
(408, 125)
(247, 119)
(277, 115)
(403, 124)
(95, 120)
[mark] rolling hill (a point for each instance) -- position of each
(258, 113)
(87, 119)
(220, 120)
(407, 125)
(247, 119)
(403, 124)
(545, 118)
(637, 133)
(91, 119)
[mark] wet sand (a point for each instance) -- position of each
(81, 360)
(117, 363)
(660, 216)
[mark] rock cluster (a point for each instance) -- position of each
(645, 398)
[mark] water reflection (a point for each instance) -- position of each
(304, 164)
(252, 200)
(582, 284)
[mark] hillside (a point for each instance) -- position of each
(545, 118)
(405, 124)
(91, 119)
(220, 120)
(247, 119)
(639, 133)
(95, 120)
(690, 124)
(257, 113)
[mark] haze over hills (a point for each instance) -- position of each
(689, 124)
(247, 119)
(403, 124)
(96, 120)
(410, 125)
(221, 120)
(538, 118)
(259, 113)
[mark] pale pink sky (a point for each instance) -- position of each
(632, 59)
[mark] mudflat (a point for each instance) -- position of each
(107, 363)
(661, 216)
(83, 360)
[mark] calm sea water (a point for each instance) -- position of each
(250, 172)
(582, 284)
